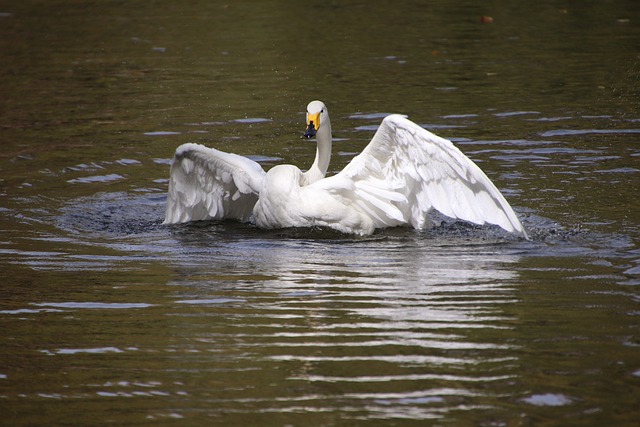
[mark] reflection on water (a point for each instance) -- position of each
(110, 317)
(331, 316)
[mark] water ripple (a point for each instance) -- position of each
(575, 132)
(93, 305)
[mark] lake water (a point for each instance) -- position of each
(109, 317)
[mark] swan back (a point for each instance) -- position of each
(279, 198)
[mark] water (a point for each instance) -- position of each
(110, 317)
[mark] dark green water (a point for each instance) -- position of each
(108, 317)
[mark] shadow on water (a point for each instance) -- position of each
(120, 215)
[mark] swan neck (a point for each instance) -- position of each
(323, 149)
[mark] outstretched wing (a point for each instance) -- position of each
(206, 183)
(406, 170)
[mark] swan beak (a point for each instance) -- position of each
(313, 123)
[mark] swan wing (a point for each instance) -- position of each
(205, 183)
(406, 170)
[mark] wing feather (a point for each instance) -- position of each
(205, 183)
(405, 171)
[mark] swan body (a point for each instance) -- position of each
(404, 172)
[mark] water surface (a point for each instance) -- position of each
(110, 317)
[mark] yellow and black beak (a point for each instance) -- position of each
(313, 123)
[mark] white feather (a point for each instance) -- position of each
(206, 183)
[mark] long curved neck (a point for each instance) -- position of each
(323, 154)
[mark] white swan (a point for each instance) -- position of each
(402, 174)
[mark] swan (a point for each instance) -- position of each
(402, 174)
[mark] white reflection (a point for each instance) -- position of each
(389, 309)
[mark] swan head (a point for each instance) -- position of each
(317, 114)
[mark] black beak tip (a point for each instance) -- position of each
(310, 132)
